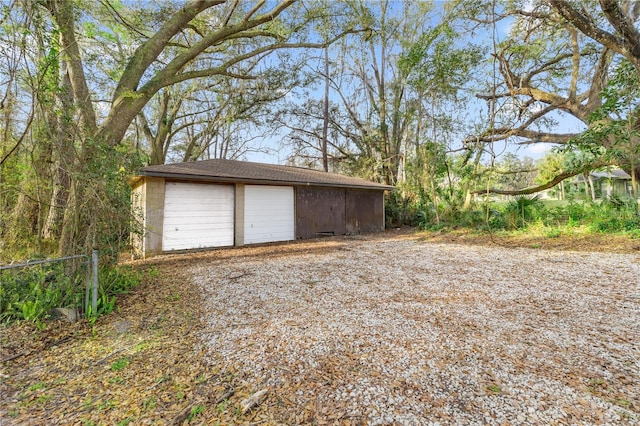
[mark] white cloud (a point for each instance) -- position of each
(539, 149)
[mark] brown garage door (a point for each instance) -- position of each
(319, 211)
(365, 211)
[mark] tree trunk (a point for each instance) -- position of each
(434, 159)
(434, 199)
(586, 186)
(593, 191)
(64, 160)
(467, 187)
(59, 197)
(24, 218)
(63, 13)
(634, 172)
(67, 243)
(93, 208)
(325, 112)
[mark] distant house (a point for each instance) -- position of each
(608, 182)
(216, 203)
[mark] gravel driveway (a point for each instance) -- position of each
(400, 331)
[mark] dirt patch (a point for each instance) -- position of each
(212, 328)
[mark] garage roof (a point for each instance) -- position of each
(247, 172)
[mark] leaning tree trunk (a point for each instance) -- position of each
(63, 14)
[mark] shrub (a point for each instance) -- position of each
(521, 210)
(404, 210)
(614, 215)
(31, 293)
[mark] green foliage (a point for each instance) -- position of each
(196, 410)
(605, 216)
(612, 135)
(113, 281)
(521, 210)
(403, 208)
(550, 167)
(494, 388)
(120, 364)
(415, 208)
(31, 293)
(523, 213)
(614, 215)
(110, 197)
(434, 63)
(513, 173)
(117, 280)
(634, 233)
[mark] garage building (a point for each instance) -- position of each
(218, 203)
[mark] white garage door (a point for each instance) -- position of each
(197, 216)
(268, 214)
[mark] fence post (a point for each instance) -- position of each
(94, 298)
(88, 289)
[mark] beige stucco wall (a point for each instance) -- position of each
(239, 214)
(138, 199)
(147, 199)
(154, 214)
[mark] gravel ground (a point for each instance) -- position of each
(398, 331)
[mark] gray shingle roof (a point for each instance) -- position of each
(246, 172)
(612, 173)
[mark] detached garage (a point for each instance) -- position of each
(218, 203)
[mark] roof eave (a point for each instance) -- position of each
(133, 181)
(224, 179)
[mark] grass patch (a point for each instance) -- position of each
(106, 405)
(622, 402)
(494, 389)
(196, 410)
(43, 399)
(120, 364)
(37, 386)
(149, 404)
